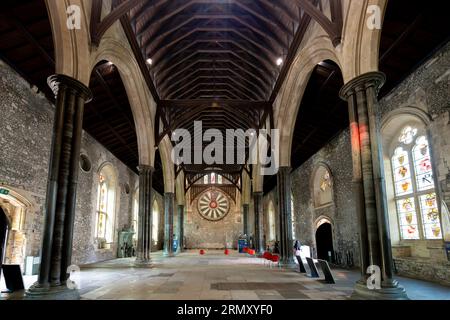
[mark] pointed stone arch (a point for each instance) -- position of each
(142, 104)
(360, 49)
(288, 102)
(72, 47)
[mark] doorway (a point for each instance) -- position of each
(3, 235)
(324, 242)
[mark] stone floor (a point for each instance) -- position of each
(215, 276)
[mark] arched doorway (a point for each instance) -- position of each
(324, 242)
(3, 234)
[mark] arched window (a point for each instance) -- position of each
(293, 217)
(106, 204)
(415, 194)
(322, 187)
(271, 222)
(135, 219)
(155, 222)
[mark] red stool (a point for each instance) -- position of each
(227, 252)
(275, 259)
(267, 256)
(202, 252)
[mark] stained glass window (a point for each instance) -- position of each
(213, 178)
(417, 210)
(155, 222)
(206, 179)
(135, 222)
(102, 206)
(326, 182)
(219, 179)
(407, 135)
(271, 222)
(105, 205)
(293, 217)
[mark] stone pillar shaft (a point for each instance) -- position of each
(181, 227)
(245, 209)
(361, 94)
(285, 214)
(357, 185)
(259, 229)
(144, 244)
(71, 96)
(169, 201)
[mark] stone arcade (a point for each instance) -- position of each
(354, 169)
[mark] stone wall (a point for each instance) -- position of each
(25, 140)
(341, 212)
(426, 91)
(204, 234)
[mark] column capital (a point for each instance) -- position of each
(143, 169)
(58, 81)
(374, 79)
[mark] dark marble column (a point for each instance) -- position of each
(169, 202)
(369, 183)
(259, 229)
(245, 208)
(285, 215)
(144, 244)
(56, 252)
(181, 227)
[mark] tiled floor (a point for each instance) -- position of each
(190, 276)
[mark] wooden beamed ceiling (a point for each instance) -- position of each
(208, 64)
(221, 62)
(412, 31)
(26, 44)
(223, 49)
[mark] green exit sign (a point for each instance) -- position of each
(4, 191)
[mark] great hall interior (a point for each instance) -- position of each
(118, 179)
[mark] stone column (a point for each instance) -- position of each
(245, 209)
(181, 227)
(144, 243)
(369, 183)
(56, 252)
(285, 215)
(169, 200)
(259, 229)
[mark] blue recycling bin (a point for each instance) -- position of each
(242, 243)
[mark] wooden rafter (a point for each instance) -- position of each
(98, 26)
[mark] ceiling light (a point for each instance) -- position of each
(149, 61)
(279, 61)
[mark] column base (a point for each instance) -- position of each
(362, 292)
(169, 254)
(288, 263)
(143, 263)
(61, 292)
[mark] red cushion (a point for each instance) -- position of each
(275, 258)
(227, 252)
(267, 255)
(202, 252)
(245, 250)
